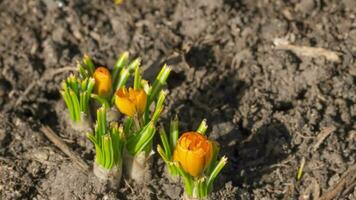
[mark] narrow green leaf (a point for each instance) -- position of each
(188, 180)
(69, 104)
(174, 132)
(89, 64)
(124, 76)
(84, 84)
(162, 153)
(76, 106)
(98, 151)
(216, 149)
(127, 125)
(137, 142)
(83, 73)
(158, 84)
(215, 172)
(101, 100)
(300, 169)
(145, 85)
(137, 79)
(90, 87)
(159, 106)
(108, 148)
(120, 63)
(202, 127)
(166, 146)
(134, 64)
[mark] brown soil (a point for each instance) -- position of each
(266, 107)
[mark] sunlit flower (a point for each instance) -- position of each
(194, 152)
(103, 83)
(131, 101)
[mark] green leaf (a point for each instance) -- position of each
(166, 146)
(99, 156)
(137, 80)
(158, 84)
(188, 180)
(127, 126)
(108, 151)
(120, 63)
(101, 100)
(215, 172)
(216, 149)
(84, 84)
(90, 86)
(159, 106)
(76, 105)
(124, 76)
(137, 142)
(174, 132)
(202, 127)
(100, 126)
(89, 64)
(134, 64)
(69, 104)
(117, 143)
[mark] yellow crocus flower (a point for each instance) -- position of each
(194, 152)
(131, 102)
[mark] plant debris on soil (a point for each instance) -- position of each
(275, 80)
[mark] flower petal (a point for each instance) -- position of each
(125, 106)
(103, 82)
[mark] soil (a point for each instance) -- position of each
(266, 107)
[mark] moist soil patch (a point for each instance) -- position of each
(267, 107)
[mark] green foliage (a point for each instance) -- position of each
(108, 140)
(76, 94)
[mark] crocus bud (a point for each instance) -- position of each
(194, 152)
(131, 102)
(103, 83)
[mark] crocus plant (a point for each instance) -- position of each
(109, 143)
(193, 157)
(139, 126)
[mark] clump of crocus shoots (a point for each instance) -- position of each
(194, 158)
(108, 140)
(76, 94)
(139, 126)
(95, 83)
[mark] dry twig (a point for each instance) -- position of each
(346, 181)
(322, 136)
(310, 52)
(57, 141)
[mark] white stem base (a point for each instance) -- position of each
(137, 167)
(111, 176)
(83, 126)
(186, 197)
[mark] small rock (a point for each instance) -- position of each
(305, 6)
(333, 180)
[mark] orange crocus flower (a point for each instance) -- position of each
(103, 83)
(194, 153)
(131, 102)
